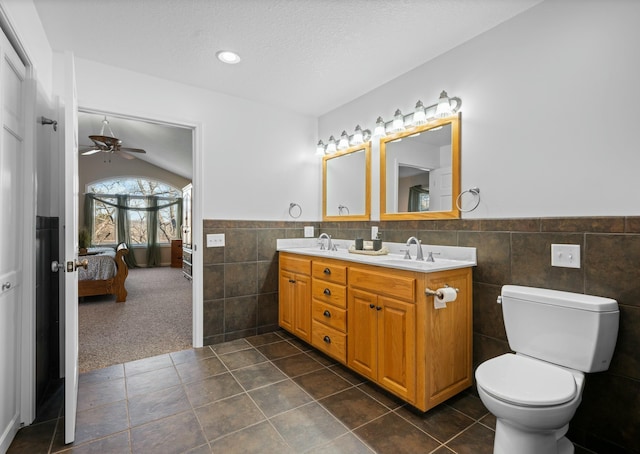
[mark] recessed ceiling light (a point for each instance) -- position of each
(226, 56)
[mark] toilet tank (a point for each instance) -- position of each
(569, 329)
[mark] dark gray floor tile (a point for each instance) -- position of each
(394, 435)
(228, 415)
(199, 370)
(147, 382)
(193, 354)
(279, 397)
(147, 364)
(441, 422)
(353, 408)
(278, 350)
(478, 439)
(99, 393)
(243, 358)
(322, 383)
(101, 421)
(174, 434)
(346, 444)
(212, 389)
(307, 427)
(258, 439)
(148, 407)
(231, 346)
(98, 375)
(297, 365)
(118, 443)
(35, 438)
(263, 374)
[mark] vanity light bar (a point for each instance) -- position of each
(421, 115)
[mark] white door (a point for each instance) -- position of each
(70, 248)
(441, 189)
(12, 77)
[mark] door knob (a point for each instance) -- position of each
(82, 263)
(55, 266)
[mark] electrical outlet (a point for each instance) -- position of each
(215, 239)
(374, 232)
(308, 231)
(565, 255)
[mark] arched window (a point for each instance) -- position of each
(126, 209)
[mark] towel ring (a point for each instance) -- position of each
(342, 208)
(475, 192)
(292, 207)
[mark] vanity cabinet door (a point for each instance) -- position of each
(381, 341)
(362, 330)
(294, 307)
(397, 346)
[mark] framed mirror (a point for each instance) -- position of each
(346, 184)
(420, 172)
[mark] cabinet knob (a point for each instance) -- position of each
(327, 314)
(292, 281)
(327, 271)
(327, 292)
(327, 339)
(371, 306)
(378, 308)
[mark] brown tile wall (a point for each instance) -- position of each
(241, 285)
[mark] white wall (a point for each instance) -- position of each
(25, 23)
(549, 108)
(256, 158)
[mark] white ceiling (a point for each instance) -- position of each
(308, 56)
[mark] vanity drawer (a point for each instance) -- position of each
(383, 283)
(330, 341)
(329, 293)
(295, 264)
(330, 272)
(329, 315)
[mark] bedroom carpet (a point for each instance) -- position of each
(156, 319)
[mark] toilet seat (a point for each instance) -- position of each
(526, 381)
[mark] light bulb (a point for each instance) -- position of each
(443, 109)
(419, 115)
(331, 145)
(343, 144)
(357, 138)
(398, 122)
(320, 148)
(380, 129)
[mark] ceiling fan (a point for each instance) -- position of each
(108, 144)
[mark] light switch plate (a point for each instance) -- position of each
(308, 231)
(565, 255)
(374, 232)
(215, 239)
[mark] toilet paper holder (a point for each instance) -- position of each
(430, 292)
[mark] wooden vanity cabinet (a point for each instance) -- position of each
(294, 302)
(380, 323)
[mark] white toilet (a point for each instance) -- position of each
(534, 393)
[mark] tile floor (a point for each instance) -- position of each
(265, 394)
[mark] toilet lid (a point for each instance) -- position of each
(526, 382)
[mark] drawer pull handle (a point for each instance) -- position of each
(378, 308)
(372, 306)
(327, 271)
(327, 314)
(327, 339)
(292, 281)
(327, 292)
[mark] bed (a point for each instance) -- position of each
(106, 273)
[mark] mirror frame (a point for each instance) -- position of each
(367, 189)
(454, 213)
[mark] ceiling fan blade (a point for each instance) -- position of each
(124, 155)
(132, 150)
(90, 151)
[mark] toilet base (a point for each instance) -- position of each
(510, 439)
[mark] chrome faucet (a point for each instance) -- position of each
(330, 246)
(413, 240)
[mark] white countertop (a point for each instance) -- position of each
(445, 257)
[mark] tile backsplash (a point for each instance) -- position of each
(241, 292)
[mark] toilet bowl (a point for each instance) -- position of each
(533, 402)
(534, 392)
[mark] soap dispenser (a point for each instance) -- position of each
(377, 242)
